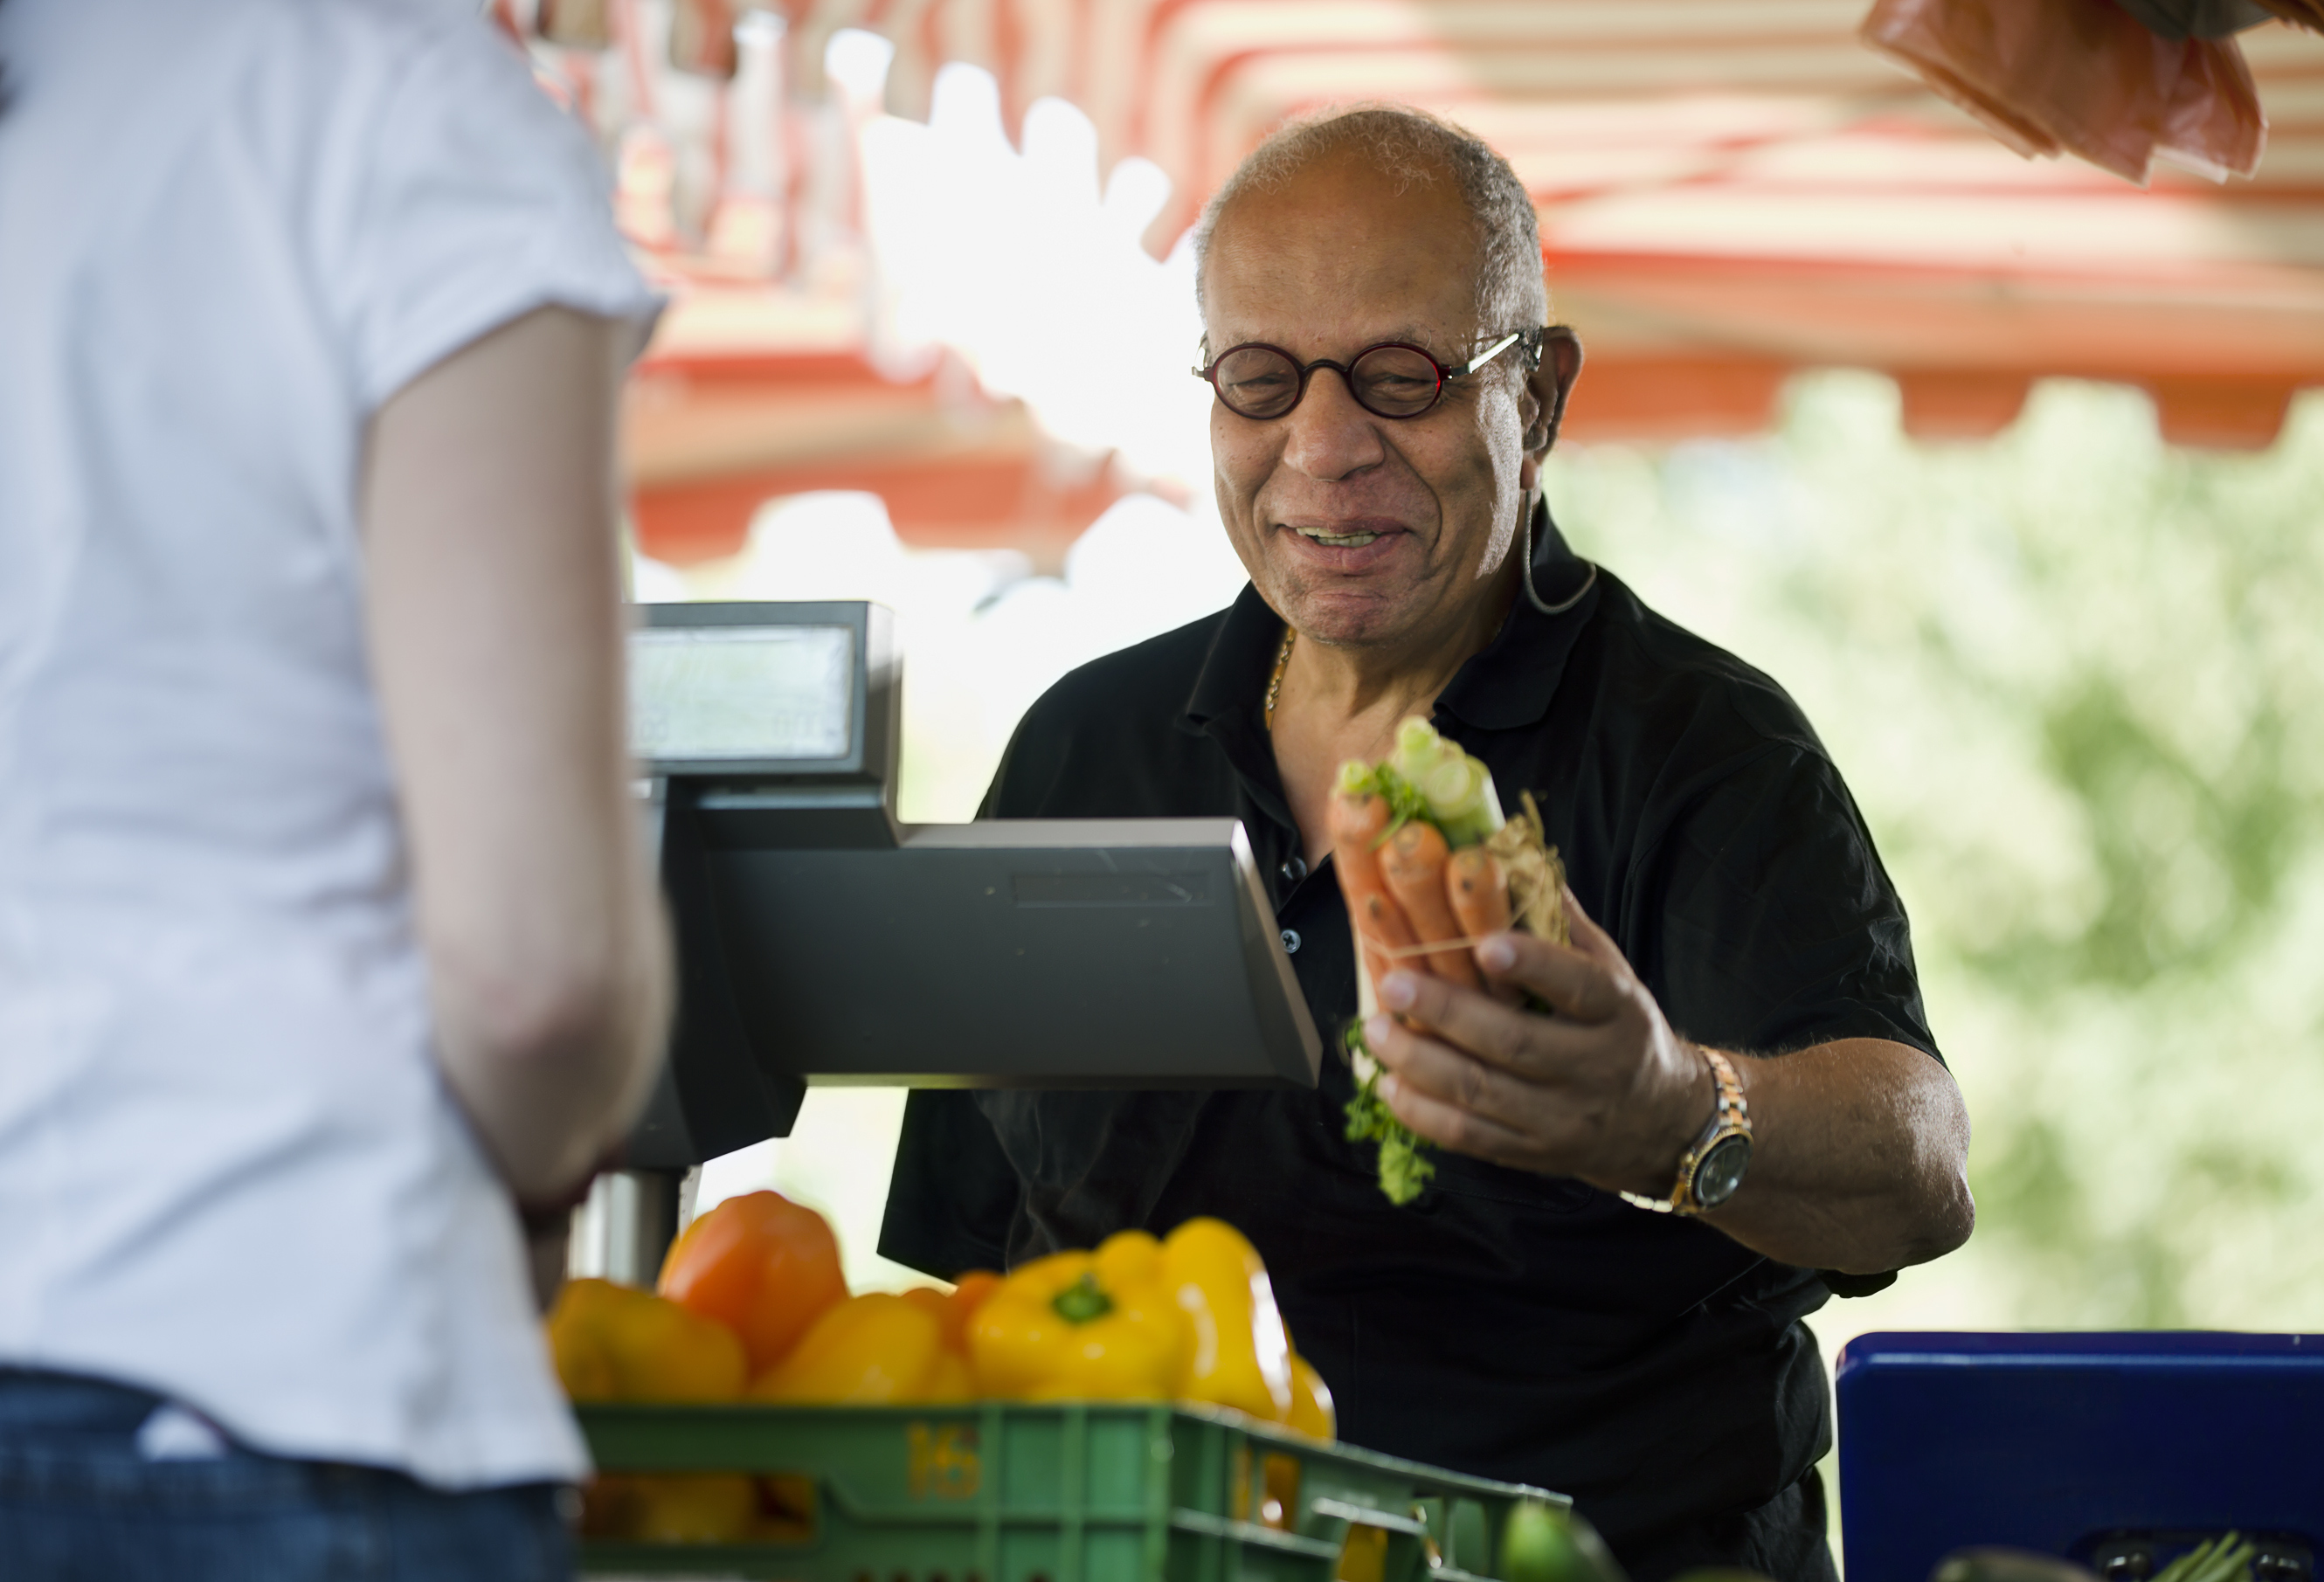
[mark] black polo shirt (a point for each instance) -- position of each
(1507, 1324)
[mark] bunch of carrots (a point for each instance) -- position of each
(1429, 865)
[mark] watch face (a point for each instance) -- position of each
(1722, 1169)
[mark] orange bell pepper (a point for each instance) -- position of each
(1241, 1355)
(613, 1343)
(974, 1290)
(953, 1308)
(763, 1265)
(955, 1378)
(1081, 1326)
(870, 1350)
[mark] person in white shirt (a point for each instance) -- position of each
(325, 942)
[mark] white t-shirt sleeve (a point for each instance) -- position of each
(478, 201)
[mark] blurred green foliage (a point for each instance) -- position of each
(2075, 678)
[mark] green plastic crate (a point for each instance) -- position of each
(1002, 1491)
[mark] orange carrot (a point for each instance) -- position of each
(1479, 892)
(1355, 822)
(1413, 866)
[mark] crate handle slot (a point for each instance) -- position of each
(1366, 1516)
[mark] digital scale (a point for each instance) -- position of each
(821, 940)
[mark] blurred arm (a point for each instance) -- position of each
(494, 597)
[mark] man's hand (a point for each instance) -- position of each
(1603, 1091)
(1858, 1145)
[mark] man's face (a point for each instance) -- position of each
(1360, 529)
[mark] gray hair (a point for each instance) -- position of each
(1412, 148)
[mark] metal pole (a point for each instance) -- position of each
(623, 1231)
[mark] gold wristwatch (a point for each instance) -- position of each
(1709, 1172)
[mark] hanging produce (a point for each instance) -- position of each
(576, 24)
(702, 39)
(2084, 77)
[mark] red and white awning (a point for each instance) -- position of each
(738, 403)
(1728, 189)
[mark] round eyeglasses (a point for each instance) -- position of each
(1391, 380)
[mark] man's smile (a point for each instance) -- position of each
(1347, 545)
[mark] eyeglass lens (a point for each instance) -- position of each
(1393, 382)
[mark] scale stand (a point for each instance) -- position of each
(820, 941)
(622, 1230)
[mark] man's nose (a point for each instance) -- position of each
(1329, 436)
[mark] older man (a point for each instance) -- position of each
(1372, 298)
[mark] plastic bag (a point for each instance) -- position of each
(2213, 124)
(2082, 77)
(702, 38)
(2206, 19)
(2307, 13)
(578, 24)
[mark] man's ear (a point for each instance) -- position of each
(1549, 385)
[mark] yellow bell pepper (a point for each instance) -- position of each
(1241, 1356)
(672, 1507)
(874, 1351)
(613, 1343)
(1312, 1412)
(1101, 1326)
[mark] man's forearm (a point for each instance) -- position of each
(1859, 1151)
(1859, 1146)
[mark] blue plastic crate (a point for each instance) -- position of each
(2062, 1442)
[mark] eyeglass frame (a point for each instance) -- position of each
(1533, 340)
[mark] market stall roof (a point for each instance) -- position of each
(742, 399)
(1729, 189)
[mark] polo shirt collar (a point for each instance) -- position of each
(1507, 685)
(1228, 703)
(1234, 673)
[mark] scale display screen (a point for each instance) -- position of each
(712, 694)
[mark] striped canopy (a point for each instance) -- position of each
(1728, 189)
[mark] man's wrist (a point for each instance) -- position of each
(1717, 1141)
(1702, 1104)
(1698, 1101)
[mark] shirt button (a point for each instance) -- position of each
(1294, 870)
(1291, 941)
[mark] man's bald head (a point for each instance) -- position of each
(1406, 148)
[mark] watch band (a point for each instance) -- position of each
(1730, 1117)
